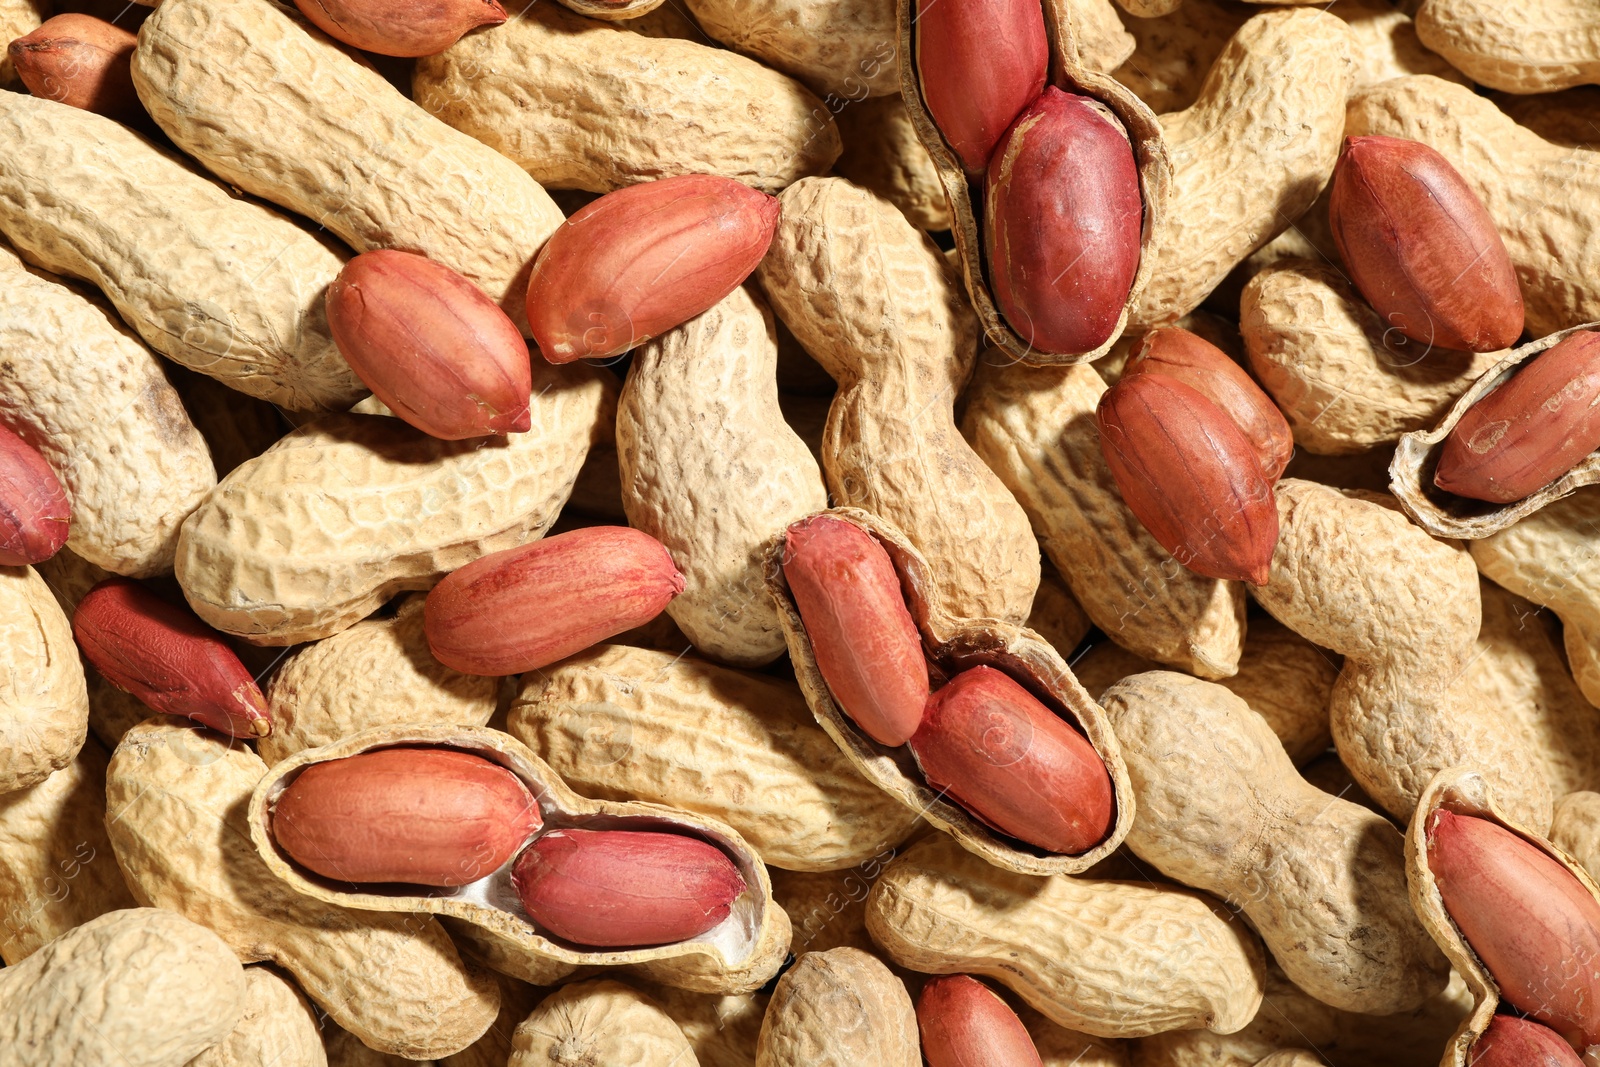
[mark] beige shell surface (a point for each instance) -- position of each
(1250, 155)
(1575, 829)
(18, 18)
(954, 644)
(623, 723)
(44, 704)
(517, 999)
(1353, 575)
(377, 673)
(1565, 118)
(840, 1008)
(1416, 459)
(1387, 45)
(1322, 880)
(1059, 1047)
(279, 1028)
(711, 470)
(219, 284)
(1172, 54)
(873, 301)
(843, 50)
(739, 954)
(584, 105)
(722, 1030)
(1520, 48)
(177, 811)
(333, 520)
(1035, 428)
(1057, 616)
(315, 131)
(1112, 959)
(1536, 192)
(599, 1023)
(56, 866)
(236, 427)
(882, 153)
(1345, 382)
(1073, 72)
(81, 388)
(138, 988)
(828, 909)
(1104, 44)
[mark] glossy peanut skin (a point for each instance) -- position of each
(410, 28)
(625, 888)
(431, 345)
(964, 1024)
(169, 659)
(638, 261)
(865, 643)
(1529, 431)
(428, 816)
(1063, 217)
(1514, 1042)
(34, 512)
(1534, 926)
(80, 61)
(1201, 365)
(1421, 246)
(1014, 763)
(527, 607)
(1191, 476)
(980, 63)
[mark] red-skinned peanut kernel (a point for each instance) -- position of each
(34, 513)
(964, 1024)
(80, 61)
(408, 28)
(1513, 1042)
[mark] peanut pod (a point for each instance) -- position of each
(1520, 50)
(599, 1022)
(838, 1007)
(844, 50)
(44, 703)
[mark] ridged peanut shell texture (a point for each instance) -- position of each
(44, 702)
(1535, 49)
(1421, 247)
(643, 259)
(835, 1008)
(843, 50)
(340, 515)
(420, 28)
(599, 1022)
(35, 517)
(81, 61)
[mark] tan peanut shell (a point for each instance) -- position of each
(299, 106)
(722, 1031)
(581, 105)
(842, 50)
(1465, 791)
(1059, 1047)
(139, 988)
(236, 427)
(1112, 959)
(278, 1029)
(1172, 54)
(82, 389)
(333, 520)
(17, 19)
(377, 673)
(1035, 428)
(394, 980)
(599, 1022)
(56, 866)
(221, 285)
(1057, 616)
(828, 909)
(1534, 190)
(882, 153)
(1103, 42)
(1352, 575)
(1387, 45)
(711, 470)
(517, 999)
(954, 644)
(1249, 155)
(874, 303)
(1444, 514)
(1321, 879)
(1575, 829)
(1070, 73)
(836, 1009)
(1520, 49)
(1564, 118)
(44, 705)
(739, 954)
(624, 723)
(1345, 381)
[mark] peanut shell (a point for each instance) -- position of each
(722, 1030)
(599, 1022)
(843, 50)
(279, 1028)
(44, 704)
(837, 1008)
(882, 153)
(1540, 49)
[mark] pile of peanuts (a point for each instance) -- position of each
(761, 533)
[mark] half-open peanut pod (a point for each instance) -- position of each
(1503, 898)
(738, 954)
(1009, 749)
(1417, 456)
(1103, 281)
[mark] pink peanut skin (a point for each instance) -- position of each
(34, 513)
(527, 607)
(979, 63)
(80, 61)
(1063, 218)
(865, 643)
(1532, 923)
(406, 28)
(964, 1024)
(1513, 1042)
(641, 260)
(427, 816)
(431, 345)
(165, 656)
(625, 888)
(1012, 762)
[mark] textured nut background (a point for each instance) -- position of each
(278, 1028)
(882, 153)
(44, 704)
(840, 48)
(599, 1022)
(836, 1009)
(1534, 48)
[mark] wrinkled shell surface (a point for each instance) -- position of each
(837, 1009)
(1521, 49)
(843, 48)
(599, 1023)
(882, 153)
(279, 1028)
(44, 704)
(721, 1030)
